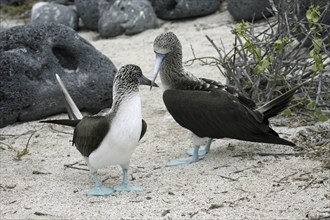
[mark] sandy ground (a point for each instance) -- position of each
(232, 182)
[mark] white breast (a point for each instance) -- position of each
(123, 136)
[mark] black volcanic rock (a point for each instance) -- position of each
(125, 17)
(248, 10)
(173, 9)
(30, 56)
(89, 13)
(47, 13)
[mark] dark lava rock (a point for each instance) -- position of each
(47, 13)
(126, 17)
(89, 13)
(173, 9)
(11, 2)
(248, 10)
(30, 56)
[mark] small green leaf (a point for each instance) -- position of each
(257, 69)
(240, 28)
(315, 19)
(261, 66)
(249, 46)
(313, 13)
(270, 58)
(23, 152)
(311, 105)
(309, 15)
(318, 58)
(317, 43)
(258, 53)
(279, 43)
(323, 117)
(287, 112)
(265, 63)
(319, 115)
(317, 67)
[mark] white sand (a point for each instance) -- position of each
(221, 186)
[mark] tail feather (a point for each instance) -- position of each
(66, 122)
(74, 114)
(273, 139)
(274, 135)
(71, 107)
(278, 104)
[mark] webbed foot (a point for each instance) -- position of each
(99, 191)
(126, 187)
(185, 160)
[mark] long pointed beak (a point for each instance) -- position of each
(143, 80)
(159, 60)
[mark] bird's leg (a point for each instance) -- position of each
(124, 186)
(202, 150)
(187, 160)
(98, 189)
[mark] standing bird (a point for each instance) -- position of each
(209, 109)
(110, 138)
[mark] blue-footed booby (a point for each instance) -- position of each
(209, 109)
(109, 138)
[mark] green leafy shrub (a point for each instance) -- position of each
(267, 60)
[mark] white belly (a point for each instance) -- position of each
(122, 138)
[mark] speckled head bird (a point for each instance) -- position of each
(209, 109)
(110, 138)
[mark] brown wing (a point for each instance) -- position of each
(233, 91)
(89, 133)
(218, 114)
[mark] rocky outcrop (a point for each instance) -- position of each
(126, 17)
(249, 10)
(47, 13)
(31, 55)
(174, 9)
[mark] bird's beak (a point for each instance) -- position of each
(145, 81)
(159, 60)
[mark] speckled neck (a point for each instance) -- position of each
(172, 73)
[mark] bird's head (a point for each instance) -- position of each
(128, 74)
(164, 44)
(132, 74)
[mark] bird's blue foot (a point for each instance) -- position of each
(203, 150)
(99, 191)
(126, 187)
(185, 160)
